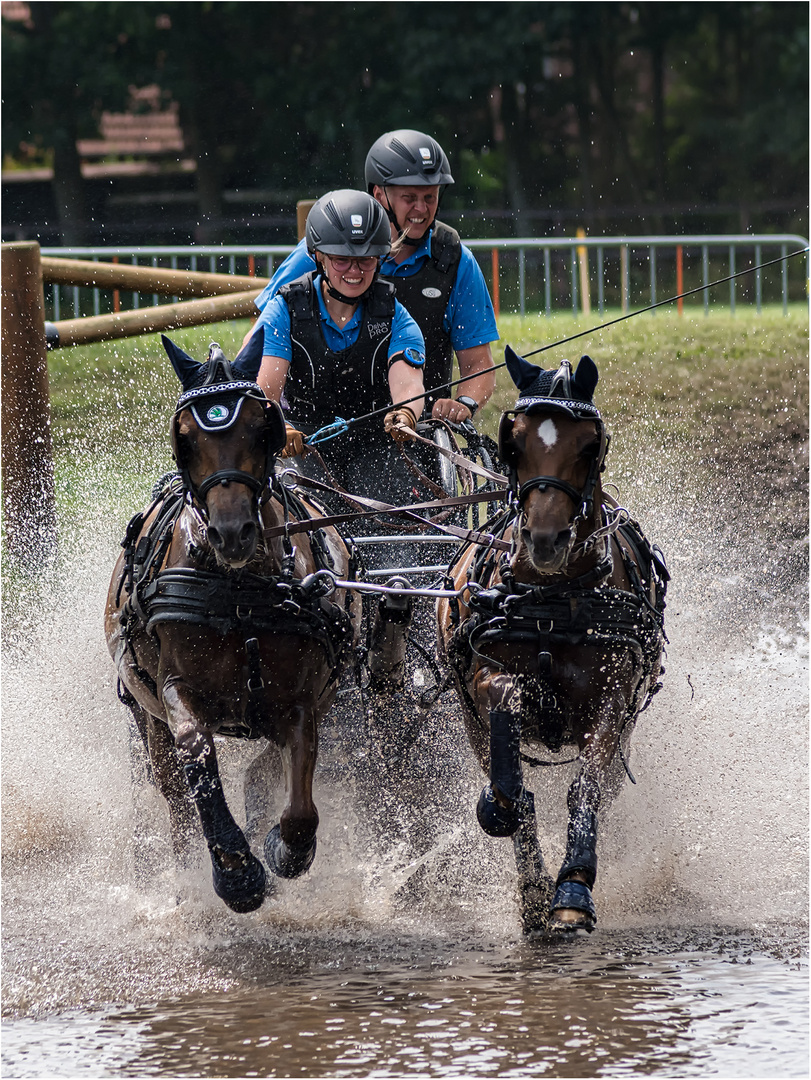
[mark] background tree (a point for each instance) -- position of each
(639, 116)
(61, 68)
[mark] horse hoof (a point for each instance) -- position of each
(495, 819)
(573, 908)
(242, 889)
(286, 861)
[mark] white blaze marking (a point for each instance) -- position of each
(548, 433)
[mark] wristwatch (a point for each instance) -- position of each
(470, 403)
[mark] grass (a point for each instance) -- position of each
(680, 374)
(716, 384)
(683, 374)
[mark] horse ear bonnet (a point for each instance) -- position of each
(187, 369)
(562, 389)
(249, 359)
(539, 389)
(215, 392)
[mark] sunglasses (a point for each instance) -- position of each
(369, 262)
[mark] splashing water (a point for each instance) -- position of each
(714, 834)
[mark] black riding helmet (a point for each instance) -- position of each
(406, 157)
(348, 222)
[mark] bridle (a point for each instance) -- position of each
(583, 499)
(216, 408)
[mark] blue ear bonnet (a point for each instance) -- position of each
(214, 392)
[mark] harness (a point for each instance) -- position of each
(236, 602)
(318, 376)
(580, 611)
(425, 296)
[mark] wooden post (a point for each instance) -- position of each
(303, 207)
(583, 263)
(496, 298)
(29, 511)
(679, 278)
(116, 292)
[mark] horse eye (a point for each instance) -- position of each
(183, 444)
(591, 451)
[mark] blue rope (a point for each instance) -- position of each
(331, 431)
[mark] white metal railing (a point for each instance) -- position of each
(556, 273)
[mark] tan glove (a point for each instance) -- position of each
(396, 420)
(295, 442)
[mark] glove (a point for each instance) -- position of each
(295, 442)
(398, 418)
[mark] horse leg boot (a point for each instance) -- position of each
(290, 846)
(388, 643)
(572, 905)
(239, 877)
(535, 884)
(498, 809)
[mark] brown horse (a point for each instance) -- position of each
(560, 642)
(216, 628)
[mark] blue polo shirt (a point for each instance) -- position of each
(275, 324)
(469, 317)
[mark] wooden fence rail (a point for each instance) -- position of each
(150, 320)
(107, 275)
(29, 514)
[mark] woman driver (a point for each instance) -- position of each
(338, 344)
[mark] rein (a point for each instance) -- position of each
(375, 507)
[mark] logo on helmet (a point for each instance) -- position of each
(425, 154)
(356, 220)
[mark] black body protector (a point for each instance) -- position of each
(321, 382)
(425, 297)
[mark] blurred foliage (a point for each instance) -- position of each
(566, 105)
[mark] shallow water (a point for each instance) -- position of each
(365, 1001)
(400, 953)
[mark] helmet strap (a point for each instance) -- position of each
(333, 292)
(340, 296)
(407, 241)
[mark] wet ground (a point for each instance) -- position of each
(401, 953)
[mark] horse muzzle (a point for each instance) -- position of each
(548, 549)
(234, 543)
